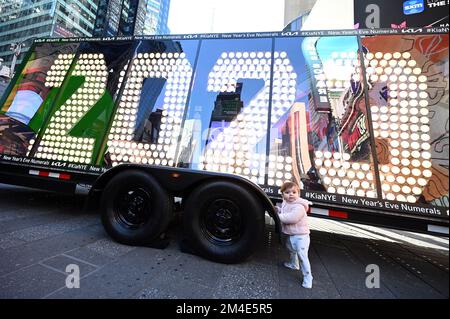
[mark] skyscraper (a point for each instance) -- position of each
(4, 78)
(157, 17)
(296, 8)
(23, 20)
(119, 17)
(226, 107)
(131, 17)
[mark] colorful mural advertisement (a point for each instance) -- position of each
(30, 101)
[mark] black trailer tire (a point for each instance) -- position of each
(223, 221)
(135, 208)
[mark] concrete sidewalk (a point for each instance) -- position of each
(41, 233)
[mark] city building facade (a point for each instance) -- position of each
(157, 15)
(23, 20)
(294, 9)
(4, 77)
(319, 15)
(119, 18)
(131, 17)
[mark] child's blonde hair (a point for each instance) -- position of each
(289, 185)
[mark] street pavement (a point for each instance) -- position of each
(41, 233)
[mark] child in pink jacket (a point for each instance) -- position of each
(295, 225)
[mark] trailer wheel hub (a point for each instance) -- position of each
(133, 207)
(222, 221)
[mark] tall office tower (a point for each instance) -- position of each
(131, 17)
(298, 10)
(119, 18)
(23, 20)
(157, 17)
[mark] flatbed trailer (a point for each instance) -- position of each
(358, 118)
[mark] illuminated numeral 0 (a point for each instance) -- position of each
(177, 70)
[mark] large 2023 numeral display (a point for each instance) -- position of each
(403, 122)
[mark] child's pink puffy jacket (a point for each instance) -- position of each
(293, 217)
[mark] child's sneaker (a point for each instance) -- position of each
(305, 285)
(290, 266)
(307, 282)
